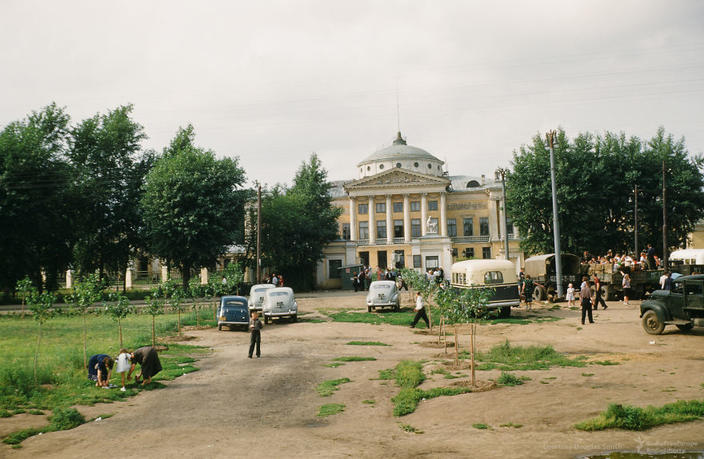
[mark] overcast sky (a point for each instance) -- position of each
(272, 82)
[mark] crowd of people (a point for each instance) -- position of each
(646, 260)
(276, 279)
(367, 275)
(100, 366)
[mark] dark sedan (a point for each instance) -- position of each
(233, 311)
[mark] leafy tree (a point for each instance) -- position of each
(42, 307)
(154, 307)
(26, 290)
(175, 296)
(37, 199)
(119, 307)
(193, 205)
(297, 223)
(110, 173)
(86, 292)
(596, 177)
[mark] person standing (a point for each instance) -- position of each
(585, 297)
(420, 312)
(598, 297)
(528, 288)
(650, 257)
(626, 284)
(255, 329)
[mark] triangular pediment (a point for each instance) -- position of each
(396, 177)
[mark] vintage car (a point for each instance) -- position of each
(233, 311)
(681, 306)
(499, 275)
(278, 303)
(383, 294)
(257, 294)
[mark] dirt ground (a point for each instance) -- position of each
(235, 407)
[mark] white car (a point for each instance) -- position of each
(279, 302)
(257, 295)
(383, 294)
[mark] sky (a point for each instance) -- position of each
(273, 81)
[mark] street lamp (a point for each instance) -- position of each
(501, 172)
(550, 137)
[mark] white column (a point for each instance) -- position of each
(128, 278)
(406, 218)
(203, 276)
(372, 221)
(423, 213)
(389, 221)
(443, 216)
(164, 273)
(353, 219)
(69, 278)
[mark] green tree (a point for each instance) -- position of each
(297, 224)
(25, 290)
(154, 307)
(193, 205)
(110, 171)
(86, 292)
(42, 307)
(596, 177)
(37, 199)
(119, 307)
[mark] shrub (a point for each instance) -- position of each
(331, 408)
(508, 379)
(409, 373)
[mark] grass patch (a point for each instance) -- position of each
(330, 409)
(387, 374)
(481, 426)
(511, 358)
(354, 358)
(367, 343)
(587, 374)
(628, 417)
(508, 379)
(410, 429)
(369, 402)
(511, 424)
(61, 419)
(333, 364)
(326, 388)
(402, 318)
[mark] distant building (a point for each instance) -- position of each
(405, 210)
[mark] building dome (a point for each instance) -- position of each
(400, 155)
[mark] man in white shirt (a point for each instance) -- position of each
(420, 312)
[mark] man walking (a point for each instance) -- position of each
(255, 327)
(585, 296)
(420, 312)
(599, 298)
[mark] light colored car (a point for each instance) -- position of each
(257, 295)
(499, 275)
(278, 303)
(383, 294)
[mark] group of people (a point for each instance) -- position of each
(646, 260)
(276, 279)
(100, 366)
(367, 275)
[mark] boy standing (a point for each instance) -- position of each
(255, 326)
(420, 312)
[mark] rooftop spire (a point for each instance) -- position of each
(399, 140)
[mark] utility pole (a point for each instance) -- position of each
(635, 214)
(259, 233)
(550, 136)
(502, 172)
(664, 217)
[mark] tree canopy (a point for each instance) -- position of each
(596, 176)
(192, 205)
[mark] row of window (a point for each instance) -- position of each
(397, 207)
(467, 227)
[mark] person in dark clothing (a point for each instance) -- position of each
(585, 296)
(149, 363)
(255, 337)
(650, 257)
(420, 312)
(100, 369)
(599, 299)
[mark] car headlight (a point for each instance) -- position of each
(222, 317)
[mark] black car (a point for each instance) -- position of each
(233, 311)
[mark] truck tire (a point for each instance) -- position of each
(505, 312)
(294, 318)
(608, 292)
(652, 324)
(685, 327)
(219, 327)
(397, 306)
(539, 294)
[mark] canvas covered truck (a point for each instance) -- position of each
(643, 281)
(541, 268)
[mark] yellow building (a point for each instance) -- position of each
(404, 209)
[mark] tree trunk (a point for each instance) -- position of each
(36, 353)
(430, 316)
(457, 350)
(23, 308)
(185, 276)
(119, 326)
(197, 317)
(473, 330)
(85, 341)
(440, 332)
(444, 338)
(179, 320)
(153, 331)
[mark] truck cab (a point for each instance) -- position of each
(681, 306)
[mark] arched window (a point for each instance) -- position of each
(430, 166)
(381, 166)
(415, 164)
(472, 184)
(398, 164)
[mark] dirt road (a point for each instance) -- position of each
(236, 407)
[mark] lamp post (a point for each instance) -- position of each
(501, 172)
(550, 136)
(664, 216)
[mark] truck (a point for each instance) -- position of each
(541, 268)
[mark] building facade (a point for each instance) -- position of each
(405, 210)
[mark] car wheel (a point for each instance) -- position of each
(651, 324)
(505, 312)
(685, 327)
(369, 309)
(219, 327)
(294, 318)
(397, 307)
(266, 319)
